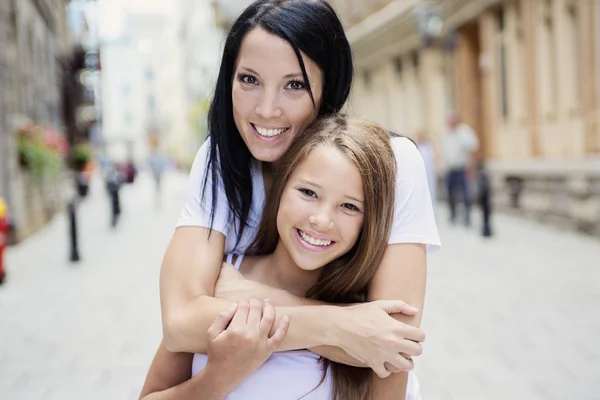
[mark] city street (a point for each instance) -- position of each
(512, 317)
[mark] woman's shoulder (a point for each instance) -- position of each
(407, 154)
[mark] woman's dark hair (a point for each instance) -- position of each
(311, 27)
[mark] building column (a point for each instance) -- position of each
(530, 22)
(432, 70)
(589, 101)
(468, 76)
(490, 79)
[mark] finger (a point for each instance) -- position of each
(222, 321)
(410, 348)
(241, 315)
(274, 341)
(413, 333)
(268, 318)
(399, 364)
(381, 371)
(397, 306)
(254, 315)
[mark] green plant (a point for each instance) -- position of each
(80, 155)
(40, 150)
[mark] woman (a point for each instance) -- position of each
(327, 219)
(284, 64)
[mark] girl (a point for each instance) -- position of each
(323, 234)
(285, 63)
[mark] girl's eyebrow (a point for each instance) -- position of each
(311, 183)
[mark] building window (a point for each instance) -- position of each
(520, 66)
(398, 66)
(128, 118)
(502, 61)
(574, 52)
(415, 59)
(151, 104)
(367, 78)
(549, 59)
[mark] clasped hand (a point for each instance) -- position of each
(365, 331)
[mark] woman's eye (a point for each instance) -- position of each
(307, 192)
(350, 207)
(295, 85)
(249, 79)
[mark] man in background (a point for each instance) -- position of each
(460, 145)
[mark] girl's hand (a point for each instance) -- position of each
(239, 339)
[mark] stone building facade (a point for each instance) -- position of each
(33, 40)
(523, 73)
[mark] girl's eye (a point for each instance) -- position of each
(249, 79)
(307, 192)
(295, 85)
(350, 207)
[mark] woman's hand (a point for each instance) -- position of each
(368, 333)
(239, 339)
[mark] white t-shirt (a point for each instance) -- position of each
(459, 146)
(414, 220)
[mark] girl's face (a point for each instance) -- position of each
(321, 209)
(271, 103)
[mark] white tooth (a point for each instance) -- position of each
(313, 241)
(269, 132)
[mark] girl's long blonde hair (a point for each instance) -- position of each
(345, 279)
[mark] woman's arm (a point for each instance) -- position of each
(231, 285)
(402, 274)
(189, 272)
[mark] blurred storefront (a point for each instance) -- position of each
(33, 41)
(523, 73)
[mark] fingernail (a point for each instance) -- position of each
(232, 308)
(269, 300)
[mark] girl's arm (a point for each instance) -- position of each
(240, 342)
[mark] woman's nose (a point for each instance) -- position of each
(268, 106)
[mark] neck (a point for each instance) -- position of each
(279, 270)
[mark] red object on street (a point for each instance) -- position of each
(4, 226)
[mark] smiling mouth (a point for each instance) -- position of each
(313, 241)
(269, 133)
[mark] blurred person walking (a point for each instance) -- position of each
(4, 230)
(427, 150)
(114, 179)
(460, 145)
(158, 163)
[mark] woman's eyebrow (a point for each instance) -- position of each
(288, 76)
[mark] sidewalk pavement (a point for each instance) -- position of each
(512, 317)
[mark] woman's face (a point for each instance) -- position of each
(271, 103)
(321, 209)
